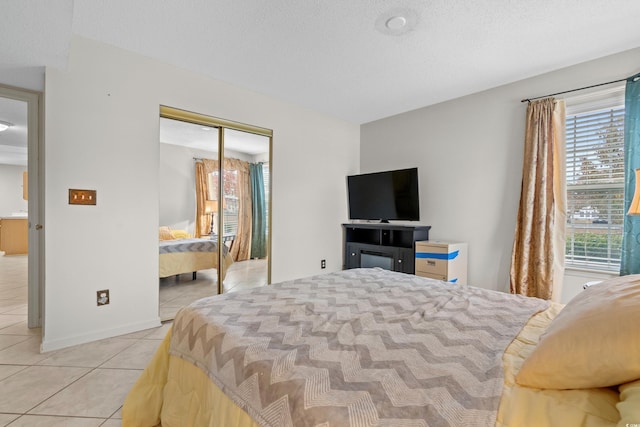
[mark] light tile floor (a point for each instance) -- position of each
(84, 385)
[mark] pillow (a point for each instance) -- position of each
(180, 234)
(593, 342)
(165, 233)
(629, 405)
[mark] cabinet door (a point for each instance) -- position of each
(404, 260)
(351, 256)
(15, 236)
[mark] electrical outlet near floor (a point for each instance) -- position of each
(103, 297)
(323, 263)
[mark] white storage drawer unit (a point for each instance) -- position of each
(442, 260)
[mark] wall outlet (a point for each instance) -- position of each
(323, 263)
(103, 297)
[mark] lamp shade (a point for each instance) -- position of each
(210, 206)
(634, 209)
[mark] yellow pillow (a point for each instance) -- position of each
(629, 405)
(180, 234)
(593, 342)
(165, 233)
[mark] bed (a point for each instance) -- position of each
(367, 347)
(188, 255)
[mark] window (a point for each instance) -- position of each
(231, 203)
(595, 180)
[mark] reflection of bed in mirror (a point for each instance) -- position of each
(188, 255)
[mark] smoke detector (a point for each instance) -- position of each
(397, 21)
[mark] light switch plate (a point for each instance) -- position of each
(82, 197)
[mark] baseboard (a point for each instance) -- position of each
(98, 335)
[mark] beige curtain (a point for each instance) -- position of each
(203, 193)
(203, 220)
(537, 261)
(241, 246)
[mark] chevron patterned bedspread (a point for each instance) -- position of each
(362, 347)
(187, 245)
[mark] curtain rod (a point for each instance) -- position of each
(636, 77)
(200, 159)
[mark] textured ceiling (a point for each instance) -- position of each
(205, 138)
(330, 55)
(33, 34)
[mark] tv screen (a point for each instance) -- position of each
(389, 195)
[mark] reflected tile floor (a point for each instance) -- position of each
(176, 292)
(84, 385)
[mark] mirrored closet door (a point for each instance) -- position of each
(215, 205)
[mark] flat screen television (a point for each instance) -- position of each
(384, 196)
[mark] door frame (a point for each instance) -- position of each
(35, 196)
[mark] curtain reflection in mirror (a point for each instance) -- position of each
(259, 212)
(244, 206)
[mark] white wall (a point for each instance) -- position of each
(469, 153)
(176, 180)
(11, 190)
(102, 127)
(177, 193)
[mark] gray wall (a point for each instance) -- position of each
(469, 154)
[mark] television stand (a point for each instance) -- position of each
(387, 246)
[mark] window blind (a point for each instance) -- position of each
(595, 188)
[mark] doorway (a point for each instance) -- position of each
(215, 189)
(21, 206)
